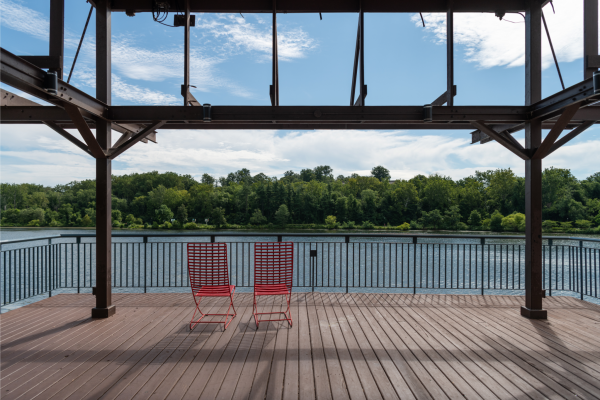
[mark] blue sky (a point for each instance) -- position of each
(231, 65)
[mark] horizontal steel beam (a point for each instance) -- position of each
(317, 114)
(28, 78)
(45, 62)
(552, 106)
(333, 6)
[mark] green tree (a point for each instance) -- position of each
(501, 188)
(130, 219)
(182, 214)
(282, 215)
(218, 217)
(432, 219)
(341, 208)
(163, 213)
(258, 218)
(475, 219)
(207, 179)
(438, 193)
(331, 222)
(380, 173)
(116, 216)
(452, 218)
(496, 221)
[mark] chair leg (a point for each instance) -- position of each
(255, 311)
(195, 311)
(288, 312)
(226, 324)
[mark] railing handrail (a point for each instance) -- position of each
(340, 235)
(32, 239)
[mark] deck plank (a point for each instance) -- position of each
(359, 346)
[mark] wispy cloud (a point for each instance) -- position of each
(241, 35)
(490, 42)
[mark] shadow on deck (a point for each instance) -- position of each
(358, 346)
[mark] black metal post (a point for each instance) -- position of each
(57, 33)
(362, 93)
(590, 35)
(104, 307)
(450, 58)
(347, 241)
(275, 58)
(533, 168)
(186, 58)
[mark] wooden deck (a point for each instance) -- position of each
(357, 346)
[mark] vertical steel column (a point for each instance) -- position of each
(590, 35)
(104, 307)
(57, 32)
(450, 57)
(275, 58)
(362, 93)
(185, 90)
(533, 168)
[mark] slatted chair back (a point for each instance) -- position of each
(273, 263)
(207, 265)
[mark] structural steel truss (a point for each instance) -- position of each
(571, 109)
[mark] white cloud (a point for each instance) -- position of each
(242, 35)
(29, 154)
(490, 42)
(139, 95)
(23, 19)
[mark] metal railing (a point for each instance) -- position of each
(337, 262)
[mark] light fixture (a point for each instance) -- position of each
(51, 82)
(206, 112)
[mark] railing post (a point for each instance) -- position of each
(550, 267)
(414, 265)
(581, 268)
(49, 261)
(78, 241)
(347, 249)
(212, 238)
(146, 263)
(280, 238)
(482, 262)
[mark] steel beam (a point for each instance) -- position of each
(533, 168)
(57, 34)
(590, 37)
(355, 68)
(552, 106)
(186, 56)
(69, 137)
(275, 60)
(362, 93)
(570, 136)
(85, 132)
(555, 132)
(53, 63)
(505, 140)
(334, 6)
(115, 151)
(28, 78)
(104, 307)
(450, 58)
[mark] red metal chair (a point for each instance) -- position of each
(209, 277)
(273, 273)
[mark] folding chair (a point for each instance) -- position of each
(209, 277)
(273, 272)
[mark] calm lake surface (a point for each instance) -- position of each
(368, 264)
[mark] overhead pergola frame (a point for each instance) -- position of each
(571, 109)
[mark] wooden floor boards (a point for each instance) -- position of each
(341, 346)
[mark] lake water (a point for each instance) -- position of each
(367, 264)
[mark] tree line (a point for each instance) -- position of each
(311, 198)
